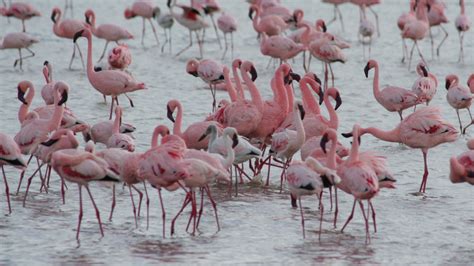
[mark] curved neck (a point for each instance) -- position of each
(305, 35)
(376, 83)
(300, 134)
(93, 28)
(331, 157)
(56, 29)
(254, 93)
(390, 136)
(309, 103)
(333, 118)
(255, 20)
(290, 97)
(212, 138)
(238, 84)
(154, 138)
(456, 168)
(229, 87)
(90, 67)
(179, 120)
(433, 77)
(118, 117)
(421, 12)
(281, 95)
(55, 120)
(463, 10)
(354, 153)
(230, 157)
(24, 108)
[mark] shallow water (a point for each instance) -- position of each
(258, 226)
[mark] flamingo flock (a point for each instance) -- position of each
(285, 127)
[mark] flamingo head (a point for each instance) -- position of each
(209, 130)
(81, 33)
(129, 13)
(22, 88)
(253, 8)
(89, 14)
(236, 63)
(422, 69)
(298, 107)
(170, 107)
(232, 133)
(451, 80)
(371, 64)
(192, 67)
(156, 12)
(320, 24)
(55, 13)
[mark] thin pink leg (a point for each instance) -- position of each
(23, 175)
(28, 185)
(43, 184)
(194, 212)
(7, 191)
(373, 216)
(302, 216)
(330, 196)
(62, 190)
(201, 208)
(97, 214)
(337, 207)
(133, 206)
(350, 216)
(140, 198)
(147, 207)
(214, 206)
(367, 233)
(186, 201)
(80, 213)
(113, 203)
(163, 213)
(425, 174)
(321, 211)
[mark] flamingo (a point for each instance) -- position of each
(66, 28)
(147, 10)
(193, 132)
(227, 25)
(102, 131)
(81, 167)
(393, 99)
(286, 143)
(120, 57)
(279, 47)
(425, 86)
(436, 17)
(359, 180)
(271, 24)
(18, 40)
(303, 178)
(423, 129)
(192, 20)
(337, 11)
(461, 167)
(416, 30)
(369, 4)
(404, 19)
(459, 97)
(108, 32)
(210, 71)
(108, 82)
(166, 21)
(21, 11)
(462, 24)
(10, 154)
(47, 92)
(117, 139)
(209, 7)
(470, 83)
(366, 30)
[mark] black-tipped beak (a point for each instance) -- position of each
(295, 76)
(359, 140)
(323, 142)
(53, 16)
(87, 20)
(293, 201)
(168, 3)
(302, 111)
(347, 135)
(317, 79)
(253, 73)
(424, 70)
(195, 11)
(235, 140)
(97, 68)
(324, 27)
(15, 162)
(169, 114)
(448, 84)
(46, 63)
(321, 95)
(202, 137)
(338, 101)
(64, 96)
(49, 142)
(78, 34)
(21, 96)
(429, 7)
(251, 13)
(194, 73)
(366, 70)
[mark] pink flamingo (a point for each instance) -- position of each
(166, 21)
(9, 155)
(21, 11)
(416, 30)
(359, 180)
(245, 115)
(423, 129)
(108, 32)
(425, 86)
(120, 57)
(462, 24)
(210, 7)
(47, 92)
(470, 83)
(108, 82)
(459, 97)
(369, 4)
(194, 131)
(286, 143)
(312, 148)
(436, 17)
(81, 167)
(366, 30)
(18, 40)
(192, 20)
(102, 131)
(271, 24)
(147, 10)
(337, 11)
(227, 25)
(66, 28)
(404, 19)
(304, 178)
(462, 166)
(117, 139)
(278, 10)
(279, 47)
(210, 71)
(393, 99)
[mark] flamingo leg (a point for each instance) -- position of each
(113, 203)
(302, 216)
(425, 174)
(133, 206)
(163, 213)
(80, 213)
(411, 55)
(97, 214)
(80, 55)
(366, 219)
(23, 175)
(143, 31)
(404, 50)
(226, 46)
(337, 207)
(350, 216)
(140, 198)
(154, 32)
(332, 75)
(333, 18)
(73, 56)
(442, 41)
(459, 119)
(376, 20)
(432, 43)
(7, 190)
(186, 201)
(114, 98)
(200, 43)
(340, 17)
(189, 45)
(461, 47)
(29, 183)
(214, 206)
(62, 190)
(373, 216)
(166, 41)
(419, 53)
(103, 52)
(147, 206)
(215, 30)
(201, 208)
(23, 25)
(232, 45)
(321, 212)
(330, 196)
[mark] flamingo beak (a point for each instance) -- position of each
(78, 34)
(323, 142)
(64, 97)
(295, 76)
(170, 114)
(448, 84)
(366, 70)
(347, 135)
(253, 73)
(251, 13)
(88, 20)
(53, 16)
(324, 27)
(194, 73)
(45, 63)
(49, 142)
(168, 3)
(235, 140)
(317, 79)
(424, 70)
(338, 101)
(293, 201)
(203, 137)
(21, 96)
(302, 111)
(321, 95)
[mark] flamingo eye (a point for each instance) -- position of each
(366, 189)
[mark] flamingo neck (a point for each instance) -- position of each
(229, 87)
(376, 84)
(154, 138)
(90, 67)
(463, 10)
(254, 93)
(390, 136)
(24, 108)
(290, 97)
(116, 127)
(179, 120)
(354, 153)
(212, 138)
(230, 156)
(305, 36)
(281, 96)
(331, 157)
(238, 84)
(333, 118)
(55, 120)
(93, 26)
(56, 29)
(456, 168)
(433, 77)
(300, 134)
(309, 103)
(256, 20)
